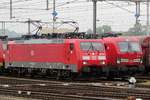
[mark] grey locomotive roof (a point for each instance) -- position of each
(39, 41)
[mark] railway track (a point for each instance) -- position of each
(68, 90)
(47, 96)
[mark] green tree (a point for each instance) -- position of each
(137, 29)
(10, 33)
(89, 31)
(103, 29)
(99, 30)
(106, 28)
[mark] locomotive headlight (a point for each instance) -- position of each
(124, 60)
(85, 57)
(93, 53)
(141, 60)
(137, 60)
(103, 62)
(118, 61)
(101, 57)
(84, 62)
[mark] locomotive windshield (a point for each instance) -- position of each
(135, 47)
(88, 46)
(129, 47)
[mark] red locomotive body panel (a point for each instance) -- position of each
(146, 50)
(1, 55)
(123, 53)
(37, 52)
(66, 54)
(87, 55)
(145, 43)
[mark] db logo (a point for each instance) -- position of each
(32, 52)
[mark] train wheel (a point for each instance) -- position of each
(110, 77)
(58, 76)
(33, 74)
(2, 69)
(147, 70)
(73, 76)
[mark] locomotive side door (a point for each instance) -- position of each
(6, 54)
(70, 53)
(71, 58)
(147, 52)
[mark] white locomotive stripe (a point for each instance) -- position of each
(44, 65)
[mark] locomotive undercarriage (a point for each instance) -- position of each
(147, 69)
(95, 71)
(54, 73)
(38, 72)
(122, 70)
(34, 69)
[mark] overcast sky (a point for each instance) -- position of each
(120, 15)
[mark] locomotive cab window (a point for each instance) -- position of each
(135, 47)
(123, 46)
(71, 46)
(92, 46)
(129, 47)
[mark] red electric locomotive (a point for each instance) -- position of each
(145, 44)
(58, 57)
(124, 55)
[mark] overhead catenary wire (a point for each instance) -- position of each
(4, 4)
(22, 10)
(64, 11)
(120, 7)
(33, 8)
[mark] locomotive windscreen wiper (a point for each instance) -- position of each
(94, 47)
(87, 46)
(91, 46)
